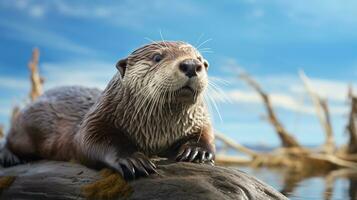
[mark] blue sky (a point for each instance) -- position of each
(80, 42)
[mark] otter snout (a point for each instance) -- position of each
(190, 67)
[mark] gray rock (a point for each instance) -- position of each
(63, 180)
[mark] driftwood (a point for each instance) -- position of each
(1, 131)
(287, 140)
(36, 79)
(351, 127)
(322, 113)
(232, 144)
(292, 155)
(349, 151)
(63, 180)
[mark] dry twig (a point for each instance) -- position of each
(232, 144)
(322, 113)
(286, 139)
(36, 79)
(1, 131)
(351, 127)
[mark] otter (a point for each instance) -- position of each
(153, 106)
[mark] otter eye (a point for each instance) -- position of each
(157, 57)
(205, 63)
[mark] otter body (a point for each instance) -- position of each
(153, 106)
(47, 127)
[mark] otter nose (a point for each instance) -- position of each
(190, 67)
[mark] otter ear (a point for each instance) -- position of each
(121, 66)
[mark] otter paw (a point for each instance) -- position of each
(194, 153)
(135, 166)
(8, 159)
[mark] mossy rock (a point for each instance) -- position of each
(65, 180)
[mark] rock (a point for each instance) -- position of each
(64, 180)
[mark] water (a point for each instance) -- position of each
(334, 185)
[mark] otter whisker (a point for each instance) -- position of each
(153, 92)
(207, 103)
(160, 100)
(213, 101)
(162, 39)
(148, 101)
(218, 90)
(153, 41)
(198, 40)
(207, 51)
(153, 103)
(143, 95)
(224, 82)
(204, 42)
(170, 99)
(141, 103)
(206, 48)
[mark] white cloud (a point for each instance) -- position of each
(286, 101)
(32, 8)
(277, 99)
(320, 12)
(286, 90)
(20, 4)
(83, 10)
(133, 14)
(38, 36)
(258, 13)
(37, 11)
(13, 83)
(327, 89)
(88, 73)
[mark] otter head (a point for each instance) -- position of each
(165, 72)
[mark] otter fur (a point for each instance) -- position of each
(153, 106)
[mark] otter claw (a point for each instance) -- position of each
(135, 167)
(179, 154)
(209, 156)
(139, 168)
(194, 154)
(202, 157)
(128, 169)
(148, 166)
(186, 154)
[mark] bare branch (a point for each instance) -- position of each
(286, 139)
(351, 127)
(322, 112)
(231, 160)
(36, 79)
(334, 160)
(229, 142)
(2, 134)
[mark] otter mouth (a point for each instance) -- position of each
(186, 94)
(187, 89)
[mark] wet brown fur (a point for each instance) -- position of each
(98, 128)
